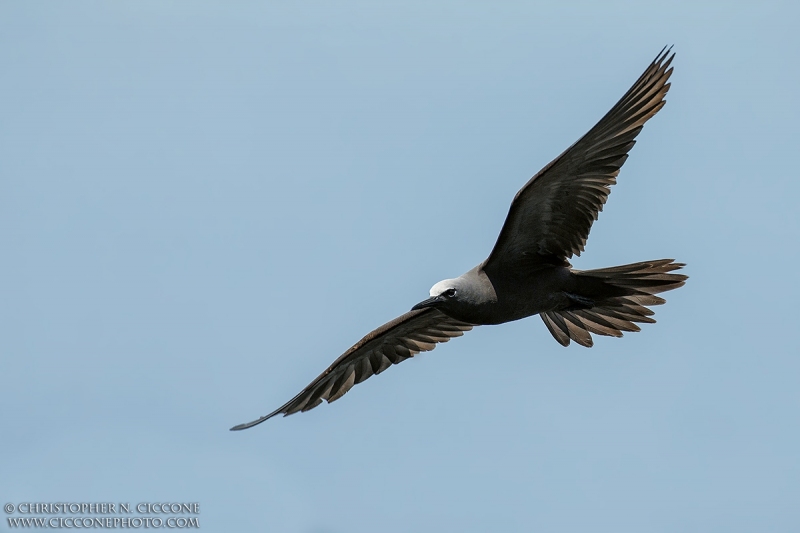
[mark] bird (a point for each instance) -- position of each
(528, 271)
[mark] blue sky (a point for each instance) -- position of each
(203, 204)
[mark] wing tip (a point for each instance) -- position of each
(664, 53)
(248, 425)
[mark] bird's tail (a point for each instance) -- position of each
(609, 301)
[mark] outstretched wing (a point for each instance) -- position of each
(411, 333)
(552, 214)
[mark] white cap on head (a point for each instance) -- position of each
(442, 286)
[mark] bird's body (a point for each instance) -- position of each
(483, 301)
(528, 271)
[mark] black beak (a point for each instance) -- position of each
(430, 302)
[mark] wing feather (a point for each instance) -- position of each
(394, 342)
(552, 214)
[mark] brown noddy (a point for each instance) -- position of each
(528, 271)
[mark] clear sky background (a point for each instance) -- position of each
(203, 204)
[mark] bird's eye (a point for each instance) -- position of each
(450, 293)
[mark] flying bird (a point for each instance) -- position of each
(528, 271)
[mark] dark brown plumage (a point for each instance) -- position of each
(552, 214)
(394, 342)
(528, 271)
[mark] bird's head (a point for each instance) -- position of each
(444, 294)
